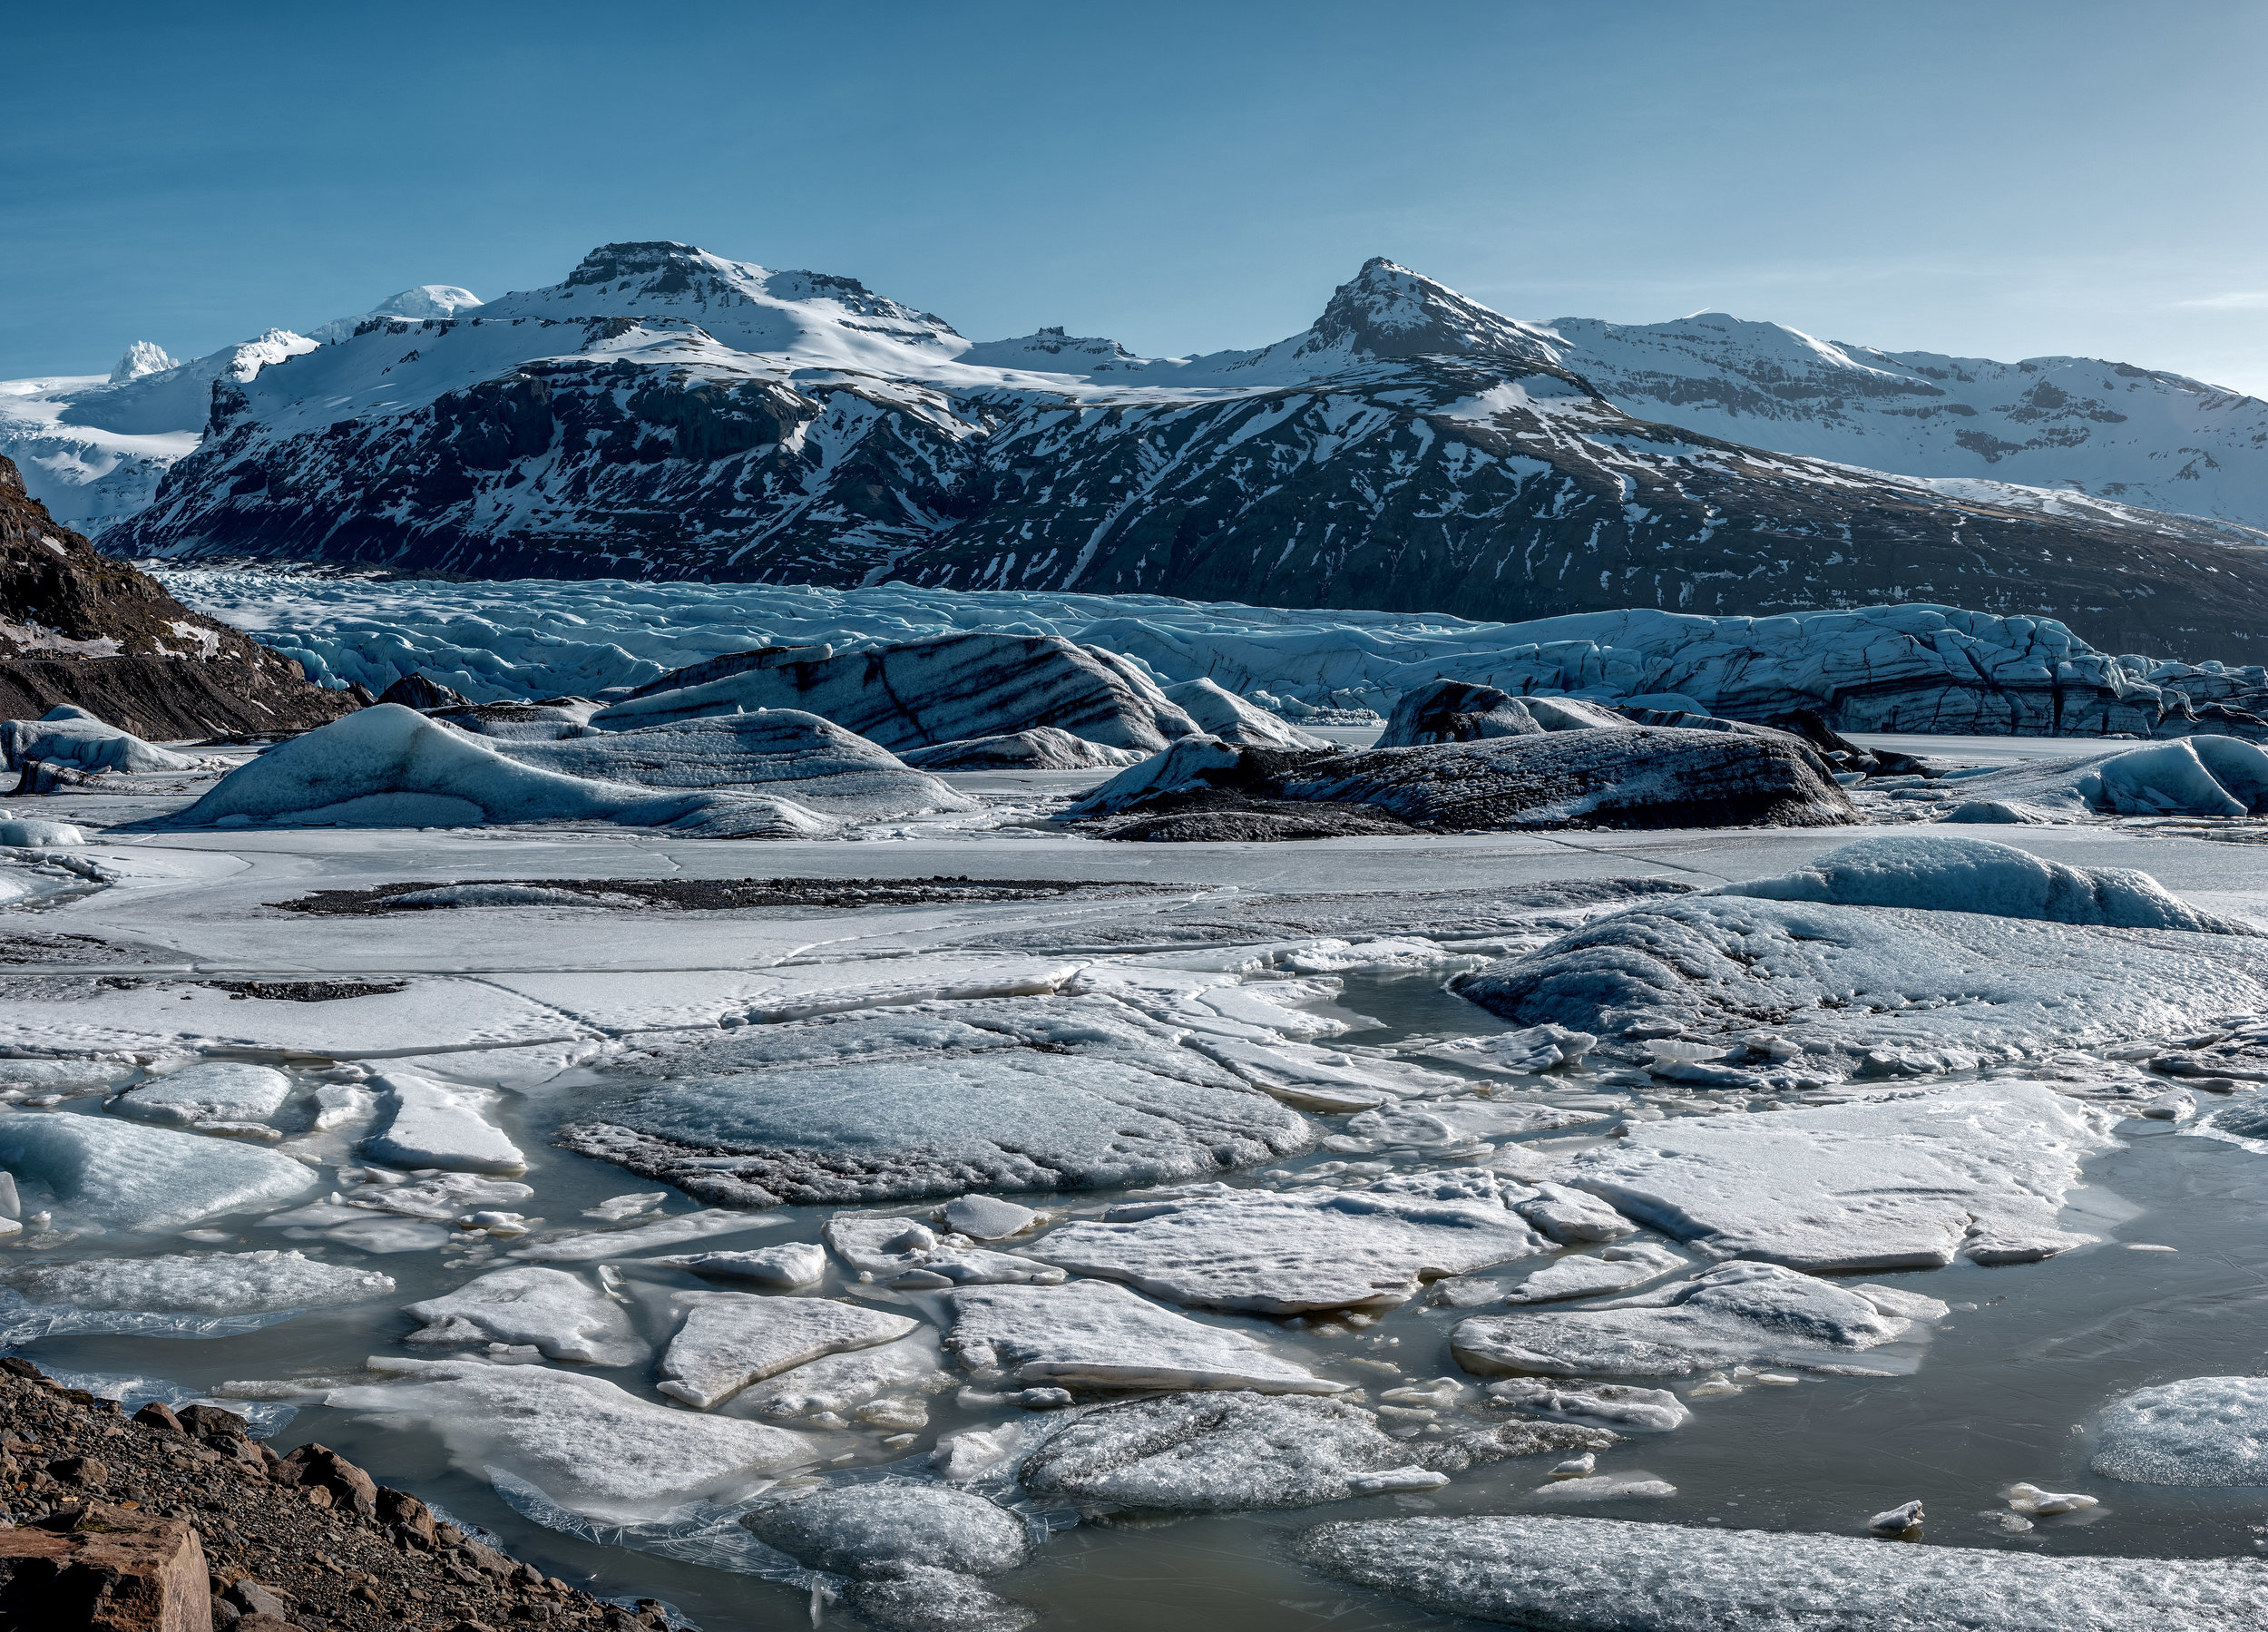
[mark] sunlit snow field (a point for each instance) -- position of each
(533, 1002)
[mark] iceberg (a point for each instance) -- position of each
(913, 694)
(73, 737)
(1041, 748)
(390, 766)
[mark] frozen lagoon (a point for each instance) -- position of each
(531, 1004)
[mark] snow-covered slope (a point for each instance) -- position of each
(667, 412)
(93, 447)
(2107, 429)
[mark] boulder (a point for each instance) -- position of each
(106, 1568)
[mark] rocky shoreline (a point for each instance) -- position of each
(161, 1522)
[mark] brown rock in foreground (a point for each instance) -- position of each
(105, 1568)
(77, 626)
(289, 1543)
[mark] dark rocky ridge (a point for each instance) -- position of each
(305, 1540)
(77, 626)
(1419, 453)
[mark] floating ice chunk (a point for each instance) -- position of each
(875, 1530)
(905, 1253)
(1901, 1520)
(1898, 1183)
(1616, 1269)
(1735, 1314)
(786, 1268)
(1025, 1093)
(1041, 748)
(845, 1380)
(590, 1447)
(211, 1091)
(62, 1076)
(560, 1314)
(677, 1228)
(731, 1339)
(1912, 1306)
(1570, 1218)
(2174, 1105)
(438, 1195)
(2200, 1431)
(2046, 1504)
(1529, 1051)
(988, 1217)
(434, 1125)
(1237, 1451)
(1599, 1575)
(142, 1178)
(1650, 1407)
(615, 1208)
(1284, 1252)
(1608, 1487)
(1576, 1467)
(199, 1282)
(1096, 1335)
(1934, 872)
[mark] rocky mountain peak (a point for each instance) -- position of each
(1387, 310)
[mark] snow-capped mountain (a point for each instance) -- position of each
(2106, 429)
(93, 448)
(664, 412)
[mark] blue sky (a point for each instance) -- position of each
(2005, 180)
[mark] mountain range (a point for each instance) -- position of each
(663, 412)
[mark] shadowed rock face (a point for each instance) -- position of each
(79, 626)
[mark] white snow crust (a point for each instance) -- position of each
(2200, 1431)
(1604, 1575)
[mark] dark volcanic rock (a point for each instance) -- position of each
(1455, 711)
(79, 626)
(422, 694)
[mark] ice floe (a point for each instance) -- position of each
(588, 1245)
(731, 1339)
(1220, 1452)
(2200, 1431)
(2204, 775)
(916, 1551)
(1095, 1335)
(244, 1283)
(1612, 1403)
(211, 1091)
(596, 1450)
(1225, 716)
(1738, 1313)
(1613, 1269)
(839, 1383)
(906, 1253)
(1603, 1575)
(1899, 1181)
(432, 1125)
(1273, 1252)
(787, 1268)
(140, 1177)
(1013, 1094)
(560, 1314)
